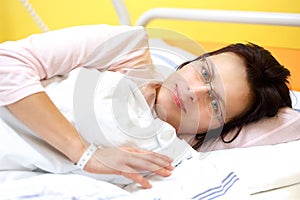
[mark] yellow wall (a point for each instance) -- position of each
(16, 23)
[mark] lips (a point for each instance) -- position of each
(178, 100)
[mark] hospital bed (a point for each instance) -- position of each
(265, 172)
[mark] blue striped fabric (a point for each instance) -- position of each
(220, 190)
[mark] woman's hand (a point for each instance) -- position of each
(129, 162)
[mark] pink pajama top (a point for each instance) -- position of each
(24, 63)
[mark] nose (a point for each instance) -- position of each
(199, 91)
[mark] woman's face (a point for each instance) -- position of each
(204, 94)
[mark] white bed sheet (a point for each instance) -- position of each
(194, 178)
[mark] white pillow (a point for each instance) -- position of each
(284, 127)
(262, 168)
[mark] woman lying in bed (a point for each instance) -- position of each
(115, 109)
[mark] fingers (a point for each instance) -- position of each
(161, 161)
(138, 178)
(157, 163)
(163, 172)
(152, 157)
(161, 156)
(132, 174)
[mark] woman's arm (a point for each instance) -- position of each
(26, 62)
(39, 113)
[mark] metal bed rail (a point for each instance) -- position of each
(229, 16)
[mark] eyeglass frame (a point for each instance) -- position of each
(208, 81)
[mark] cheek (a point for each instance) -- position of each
(197, 121)
(207, 119)
(236, 103)
(165, 102)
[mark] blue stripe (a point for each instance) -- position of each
(30, 196)
(228, 181)
(224, 192)
(215, 188)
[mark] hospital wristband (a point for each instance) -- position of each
(86, 156)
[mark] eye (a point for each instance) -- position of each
(215, 105)
(205, 73)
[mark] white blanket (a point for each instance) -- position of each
(224, 174)
(194, 178)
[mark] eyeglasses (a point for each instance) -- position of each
(206, 72)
